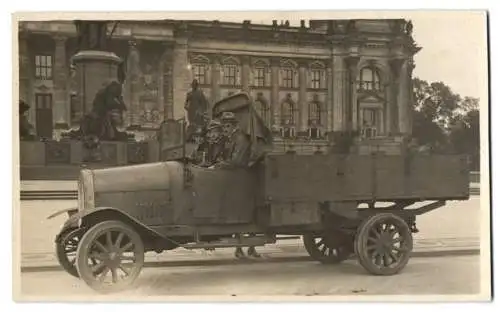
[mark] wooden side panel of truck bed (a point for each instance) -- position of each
(365, 177)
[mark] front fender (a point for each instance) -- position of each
(90, 217)
(71, 211)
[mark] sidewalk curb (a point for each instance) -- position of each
(280, 259)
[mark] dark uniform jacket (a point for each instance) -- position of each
(215, 151)
(237, 150)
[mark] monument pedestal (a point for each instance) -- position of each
(94, 69)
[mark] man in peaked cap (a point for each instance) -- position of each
(237, 154)
(238, 145)
(216, 142)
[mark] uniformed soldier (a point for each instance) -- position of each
(216, 142)
(238, 146)
(237, 154)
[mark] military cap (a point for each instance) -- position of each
(228, 116)
(214, 124)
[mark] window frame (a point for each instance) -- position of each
(44, 71)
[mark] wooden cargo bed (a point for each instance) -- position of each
(320, 178)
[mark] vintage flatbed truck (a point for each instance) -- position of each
(124, 212)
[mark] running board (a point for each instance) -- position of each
(232, 242)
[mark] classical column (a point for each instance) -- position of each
(402, 77)
(132, 85)
(25, 73)
(167, 83)
(352, 107)
(389, 99)
(181, 74)
(275, 85)
(404, 99)
(245, 73)
(393, 101)
(216, 75)
(61, 99)
(303, 105)
(411, 99)
(339, 93)
(329, 105)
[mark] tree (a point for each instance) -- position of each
(465, 137)
(446, 121)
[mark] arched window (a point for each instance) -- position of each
(287, 113)
(260, 74)
(317, 75)
(314, 119)
(230, 72)
(289, 75)
(369, 79)
(200, 68)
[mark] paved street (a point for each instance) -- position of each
(431, 276)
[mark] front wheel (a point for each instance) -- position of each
(110, 256)
(383, 244)
(66, 247)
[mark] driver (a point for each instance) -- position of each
(215, 143)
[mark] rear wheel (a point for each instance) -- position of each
(330, 248)
(383, 244)
(110, 256)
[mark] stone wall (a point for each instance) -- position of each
(72, 153)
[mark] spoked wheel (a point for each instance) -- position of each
(330, 248)
(383, 244)
(66, 247)
(110, 256)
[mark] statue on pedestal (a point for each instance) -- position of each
(196, 106)
(101, 123)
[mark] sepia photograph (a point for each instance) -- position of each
(251, 156)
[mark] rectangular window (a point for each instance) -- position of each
(316, 79)
(229, 75)
(260, 77)
(200, 73)
(288, 78)
(43, 67)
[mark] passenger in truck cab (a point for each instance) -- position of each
(237, 146)
(216, 142)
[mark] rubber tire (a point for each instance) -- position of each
(87, 240)
(61, 253)
(310, 246)
(362, 236)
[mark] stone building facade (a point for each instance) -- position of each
(307, 81)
